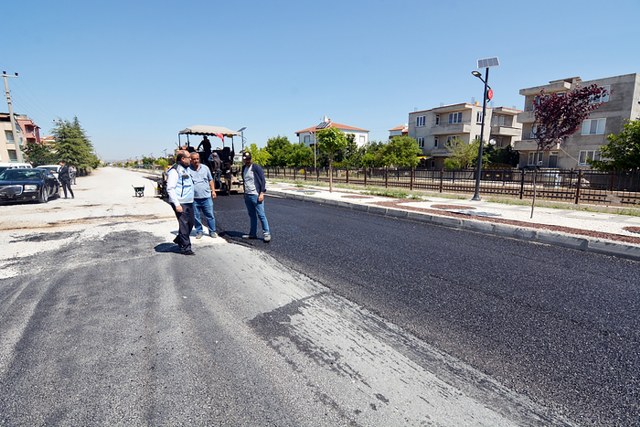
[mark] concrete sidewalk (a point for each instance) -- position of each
(605, 233)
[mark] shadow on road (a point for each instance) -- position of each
(167, 248)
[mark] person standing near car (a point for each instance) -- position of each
(65, 178)
(72, 174)
(180, 191)
(254, 190)
(204, 193)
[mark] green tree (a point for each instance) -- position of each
(278, 149)
(402, 151)
(259, 155)
(463, 155)
(330, 142)
(506, 156)
(372, 154)
(161, 163)
(622, 152)
(73, 146)
(300, 156)
(352, 154)
(39, 154)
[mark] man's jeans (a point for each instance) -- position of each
(256, 210)
(206, 205)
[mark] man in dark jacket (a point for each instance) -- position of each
(254, 190)
(65, 179)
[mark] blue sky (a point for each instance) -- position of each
(135, 73)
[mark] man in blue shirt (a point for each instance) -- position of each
(204, 193)
(180, 191)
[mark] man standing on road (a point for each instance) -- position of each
(204, 193)
(254, 189)
(180, 191)
(65, 178)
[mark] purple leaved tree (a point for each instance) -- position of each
(559, 115)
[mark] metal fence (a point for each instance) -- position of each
(575, 186)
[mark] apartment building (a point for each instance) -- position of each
(621, 103)
(308, 135)
(435, 127)
(26, 131)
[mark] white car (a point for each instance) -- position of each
(4, 166)
(53, 168)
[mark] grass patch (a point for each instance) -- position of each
(397, 194)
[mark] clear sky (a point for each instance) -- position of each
(135, 73)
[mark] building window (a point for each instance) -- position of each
(479, 117)
(599, 99)
(9, 137)
(362, 139)
(13, 156)
(455, 117)
(500, 120)
(437, 119)
(307, 139)
(593, 126)
(421, 141)
(586, 156)
(435, 142)
(420, 120)
(534, 158)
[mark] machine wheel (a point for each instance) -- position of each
(43, 197)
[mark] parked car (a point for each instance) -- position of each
(28, 185)
(9, 165)
(53, 168)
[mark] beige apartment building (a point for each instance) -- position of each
(26, 131)
(621, 103)
(435, 127)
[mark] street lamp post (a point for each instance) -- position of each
(482, 63)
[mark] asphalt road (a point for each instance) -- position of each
(557, 325)
(344, 319)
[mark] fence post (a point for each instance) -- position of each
(294, 174)
(522, 173)
(364, 170)
(411, 180)
(441, 179)
(578, 186)
(347, 176)
(386, 177)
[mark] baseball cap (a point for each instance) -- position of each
(246, 155)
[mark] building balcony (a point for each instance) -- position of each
(439, 152)
(530, 145)
(526, 117)
(505, 131)
(451, 129)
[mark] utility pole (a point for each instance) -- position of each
(5, 76)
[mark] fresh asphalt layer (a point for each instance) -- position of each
(556, 324)
(586, 231)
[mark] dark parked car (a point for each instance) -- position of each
(28, 185)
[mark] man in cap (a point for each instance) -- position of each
(254, 191)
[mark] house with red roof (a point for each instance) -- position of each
(308, 135)
(400, 130)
